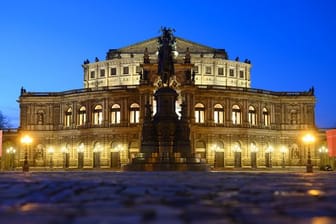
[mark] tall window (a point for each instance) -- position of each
(231, 72)
(68, 117)
(102, 72)
(236, 114)
(92, 74)
(218, 114)
(113, 71)
(134, 113)
(208, 70)
(82, 116)
(266, 117)
(98, 115)
(115, 114)
(125, 70)
(252, 118)
(241, 74)
(220, 71)
(199, 113)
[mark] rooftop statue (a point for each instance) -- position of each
(166, 47)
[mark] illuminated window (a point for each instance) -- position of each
(220, 71)
(82, 116)
(266, 117)
(231, 72)
(208, 70)
(241, 74)
(218, 114)
(102, 72)
(115, 114)
(68, 117)
(125, 70)
(92, 75)
(252, 118)
(236, 115)
(98, 115)
(199, 113)
(113, 71)
(134, 113)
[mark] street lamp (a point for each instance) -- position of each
(50, 151)
(283, 150)
(26, 140)
(268, 155)
(309, 139)
(65, 152)
(11, 152)
(80, 155)
(323, 152)
(254, 151)
(237, 155)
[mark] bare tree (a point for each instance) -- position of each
(4, 123)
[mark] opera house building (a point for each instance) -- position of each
(164, 101)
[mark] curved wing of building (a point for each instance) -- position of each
(231, 124)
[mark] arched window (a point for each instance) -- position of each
(68, 117)
(236, 115)
(98, 115)
(252, 118)
(199, 113)
(218, 114)
(266, 117)
(115, 114)
(134, 113)
(82, 116)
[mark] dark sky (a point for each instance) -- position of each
(291, 44)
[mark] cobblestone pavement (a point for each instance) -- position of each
(167, 197)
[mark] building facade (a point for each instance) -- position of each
(231, 124)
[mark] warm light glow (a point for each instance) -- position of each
(254, 148)
(308, 138)
(50, 150)
(65, 150)
(97, 148)
(118, 148)
(315, 192)
(81, 148)
(26, 140)
(323, 149)
(236, 148)
(283, 149)
(11, 150)
(269, 149)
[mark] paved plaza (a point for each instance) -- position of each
(168, 197)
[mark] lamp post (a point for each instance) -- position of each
(283, 150)
(308, 139)
(254, 151)
(11, 152)
(65, 152)
(323, 152)
(80, 156)
(26, 140)
(51, 152)
(268, 155)
(237, 155)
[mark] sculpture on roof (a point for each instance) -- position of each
(167, 44)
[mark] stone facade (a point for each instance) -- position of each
(231, 124)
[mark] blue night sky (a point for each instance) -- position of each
(291, 44)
